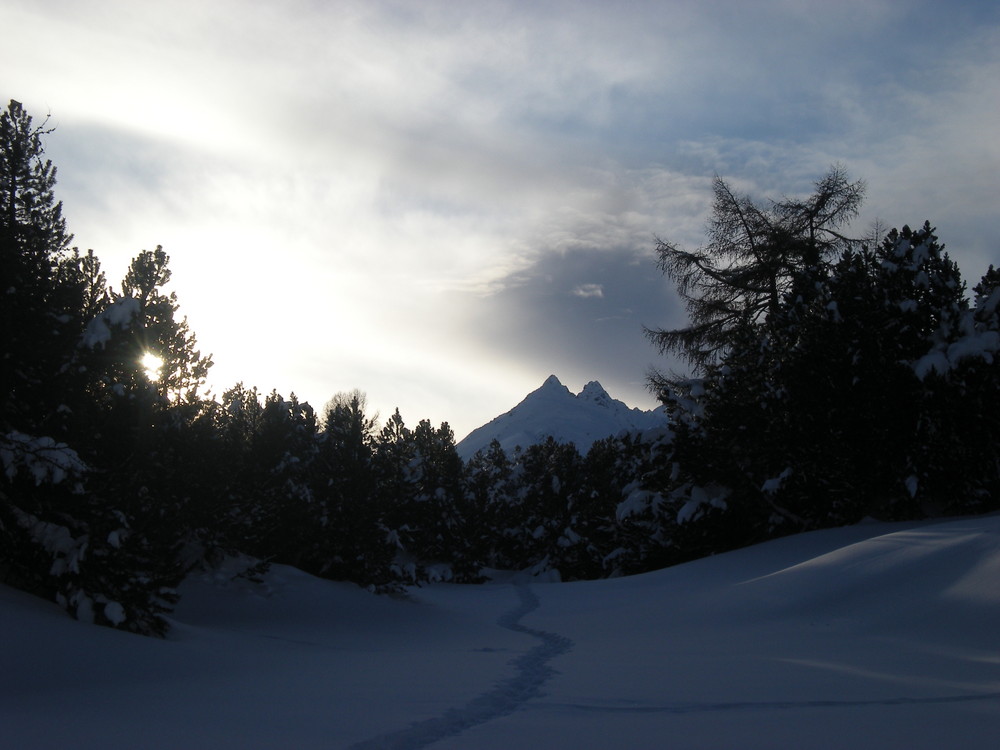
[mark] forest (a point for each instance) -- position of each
(831, 379)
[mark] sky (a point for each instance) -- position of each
(443, 203)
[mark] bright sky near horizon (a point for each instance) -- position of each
(442, 203)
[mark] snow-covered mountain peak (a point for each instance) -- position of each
(552, 409)
(552, 382)
(551, 388)
(595, 392)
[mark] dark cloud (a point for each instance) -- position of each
(539, 316)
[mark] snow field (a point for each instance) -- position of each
(881, 636)
(531, 671)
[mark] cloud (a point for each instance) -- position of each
(410, 198)
(589, 290)
(536, 319)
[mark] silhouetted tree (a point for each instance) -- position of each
(849, 401)
(357, 548)
(435, 509)
(545, 484)
(487, 481)
(66, 531)
(753, 255)
(39, 316)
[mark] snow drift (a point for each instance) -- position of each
(879, 635)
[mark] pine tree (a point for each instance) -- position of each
(955, 463)
(589, 535)
(393, 462)
(841, 405)
(38, 314)
(356, 549)
(180, 369)
(285, 508)
(487, 480)
(546, 485)
(643, 521)
(436, 513)
(143, 374)
(93, 485)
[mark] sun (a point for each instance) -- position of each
(151, 365)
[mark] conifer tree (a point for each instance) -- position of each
(849, 401)
(487, 480)
(180, 368)
(546, 486)
(356, 550)
(38, 315)
(435, 508)
(62, 534)
(393, 460)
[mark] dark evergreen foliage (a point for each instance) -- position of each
(836, 380)
(487, 479)
(847, 399)
(39, 315)
(358, 549)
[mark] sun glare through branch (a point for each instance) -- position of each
(151, 365)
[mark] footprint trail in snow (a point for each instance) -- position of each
(506, 696)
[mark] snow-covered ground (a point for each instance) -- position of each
(874, 636)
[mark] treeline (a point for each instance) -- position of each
(120, 474)
(837, 379)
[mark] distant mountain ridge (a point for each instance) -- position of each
(554, 410)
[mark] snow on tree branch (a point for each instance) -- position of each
(46, 460)
(118, 315)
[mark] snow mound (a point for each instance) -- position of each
(876, 635)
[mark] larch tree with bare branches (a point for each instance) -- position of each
(754, 255)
